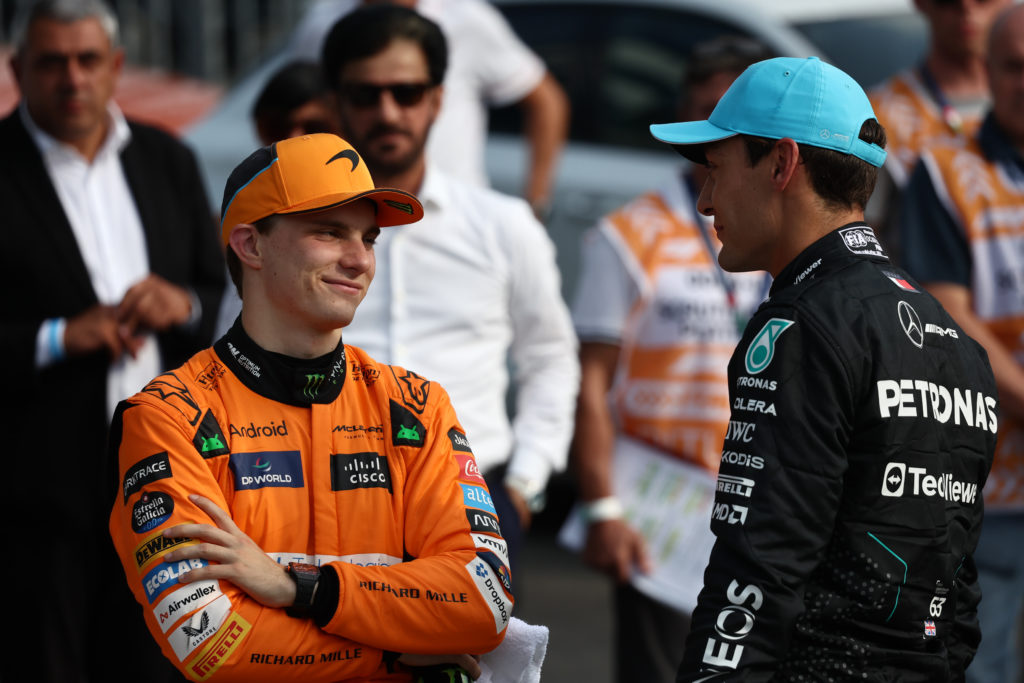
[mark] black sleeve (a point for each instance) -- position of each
(934, 248)
(966, 634)
(779, 489)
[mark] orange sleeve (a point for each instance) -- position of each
(210, 630)
(453, 595)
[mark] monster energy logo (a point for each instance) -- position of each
(409, 433)
(313, 384)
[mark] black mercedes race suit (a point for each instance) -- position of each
(849, 495)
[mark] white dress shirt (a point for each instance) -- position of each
(488, 66)
(105, 221)
(457, 296)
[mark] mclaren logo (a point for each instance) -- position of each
(349, 154)
(911, 323)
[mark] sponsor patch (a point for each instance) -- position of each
(897, 475)
(916, 398)
(375, 432)
(499, 568)
(166, 574)
(267, 469)
(929, 627)
(254, 431)
(180, 602)
(207, 379)
(209, 439)
(365, 373)
(171, 390)
(156, 546)
(477, 497)
(151, 468)
(218, 649)
(494, 544)
(732, 514)
(151, 510)
(482, 521)
(900, 281)
(910, 321)
(737, 486)
(351, 471)
(488, 587)
(406, 429)
(415, 390)
(467, 468)
(762, 348)
(459, 441)
(194, 631)
(861, 240)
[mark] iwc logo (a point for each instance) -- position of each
(762, 349)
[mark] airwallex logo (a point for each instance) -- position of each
(898, 475)
(280, 469)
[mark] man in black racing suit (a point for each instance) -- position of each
(863, 419)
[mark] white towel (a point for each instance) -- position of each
(519, 657)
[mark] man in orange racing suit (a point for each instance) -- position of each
(288, 506)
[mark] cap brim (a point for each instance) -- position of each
(394, 207)
(689, 137)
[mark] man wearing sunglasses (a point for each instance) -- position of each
(965, 241)
(938, 101)
(469, 287)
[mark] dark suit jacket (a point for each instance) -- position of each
(58, 423)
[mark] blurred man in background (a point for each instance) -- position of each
(938, 102)
(964, 241)
(658, 317)
(469, 287)
(294, 102)
(113, 272)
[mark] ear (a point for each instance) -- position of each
(436, 97)
(16, 68)
(245, 242)
(118, 62)
(785, 160)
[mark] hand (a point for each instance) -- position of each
(239, 560)
(521, 506)
(615, 548)
(467, 662)
(153, 304)
(92, 330)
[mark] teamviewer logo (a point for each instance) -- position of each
(892, 482)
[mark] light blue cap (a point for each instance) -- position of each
(812, 102)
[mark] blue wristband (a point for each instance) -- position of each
(56, 348)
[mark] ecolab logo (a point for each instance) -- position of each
(918, 398)
(735, 621)
(942, 486)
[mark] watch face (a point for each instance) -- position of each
(300, 569)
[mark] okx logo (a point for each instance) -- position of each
(314, 383)
(762, 349)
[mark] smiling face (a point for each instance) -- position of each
(66, 73)
(315, 268)
(740, 198)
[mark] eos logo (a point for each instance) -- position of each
(892, 482)
(911, 323)
(735, 621)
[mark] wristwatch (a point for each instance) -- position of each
(531, 490)
(305, 577)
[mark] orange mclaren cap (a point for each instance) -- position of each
(304, 175)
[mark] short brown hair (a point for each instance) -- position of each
(843, 181)
(263, 227)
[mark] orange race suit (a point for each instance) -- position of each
(359, 467)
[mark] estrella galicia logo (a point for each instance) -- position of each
(762, 348)
(268, 469)
(911, 323)
(459, 441)
(209, 438)
(483, 521)
(406, 429)
(151, 510)
(314, 383)
(499, 568)
(152, 468)
(477, 497)
(349, 154)
(351, 471)
(894, 479)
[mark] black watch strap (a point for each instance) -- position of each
(305, 577)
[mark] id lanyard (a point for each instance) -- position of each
(739, 317)
(949, 113)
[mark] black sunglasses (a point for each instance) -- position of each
(368, 94)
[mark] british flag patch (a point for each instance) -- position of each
(929, 627)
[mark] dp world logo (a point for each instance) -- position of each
(895, 477)
(762, 349)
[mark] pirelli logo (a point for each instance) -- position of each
(219, 648)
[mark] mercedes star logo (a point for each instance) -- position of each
(911, 324)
